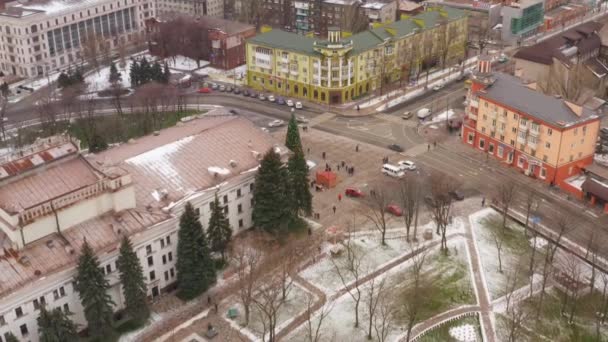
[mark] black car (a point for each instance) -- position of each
(457, 195)
(233, 112)
(246, 93)
(237, 91)
(395, 147)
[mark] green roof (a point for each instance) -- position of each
(362, 41)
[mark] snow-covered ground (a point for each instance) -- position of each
(441, 117)
(182, 63)
(601, 159)
(237, 75)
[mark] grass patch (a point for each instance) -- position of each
(128, 325)
(442, 333)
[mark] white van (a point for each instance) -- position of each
(392, 170)
(423, 113)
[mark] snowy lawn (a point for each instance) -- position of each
(442, 333)
(515, 252)
(182, 63)
(98, 80)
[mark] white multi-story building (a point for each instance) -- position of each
(40, 36)
(52, 198)
(212, 8)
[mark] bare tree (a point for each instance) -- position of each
(440, 206)
(516, 317)
(3, 109)
(378, 213)
(48, 114)
(572, 275)
(416, 299)
(384, 319)
(601, 306)
(268, 302)
(350, 265)
(409, 195)
(314, 328)
(566, 81)
(247, 261)
(499, 238)
(506, 195)
(375, 291)
(252, 11)
(91, 49)
(591, 254)
(531, 204)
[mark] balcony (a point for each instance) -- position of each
(534, 131)
(474, 103)
(285, 59)
(533, 143)
(472, 116)
(523, 127)
(521, 140)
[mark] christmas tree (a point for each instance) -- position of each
(133, 285)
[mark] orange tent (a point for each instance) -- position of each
(327, 178)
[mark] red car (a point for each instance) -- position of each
(204, 90)
(353, 192)
(394, 209)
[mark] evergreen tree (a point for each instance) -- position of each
(156, 72)
(4, 89)
(133, 285)
(77, 76)
(272, 198)
(166, 74)
(144, 71)
(64, 80)
(56, 326)
(298, 179)
(292, 140)
(219, 231)
(115, 76)
(195, 269)
(134, 73)
(98, 143)
(10, 337)
(92, 287)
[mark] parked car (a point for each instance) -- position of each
(229, 89)
(299, 105)
(253, 94)
(290, 103)
(407, 115)
(262, 97)
(353, 192)
(276, 123)
(392, 170)
(214, 86)
(457, 195)
(237, 91)
(222, 88)
(246, 92)
(503, 58)
(407, 165)
(301, 119)
(395, 147)
(233, 111)
(438, 86)
(423, 113)
(280, 100)
(394, 209)
(271, 98)
(204, 90)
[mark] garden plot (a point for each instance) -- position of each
(447, 284)
(442, 333)
(515, 252)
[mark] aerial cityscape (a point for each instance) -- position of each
(303, 170)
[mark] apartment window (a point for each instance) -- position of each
(152, 275)
(197, 212)
(251, 187)
(150, 261)
(2, 320)
(520, 161)
(226, 210)
(225, 199)
(543, 173)
(483, 129)
(584, 130)
(166, 275)
(533, 153)
(547, 145)
(576, 131)
(168, 239)
(571, 158)
(19, 312)
(485, 117)
(514, 129)
(170, 255)
(62, 291)
(238, 193)
(482, 144)
(24, 331)
(485, 104)
(162, 243)
(36, 304)
(240, 208)
(172, 272)
(502, 138)
(241, 223)
(500, 151)
(549, 131)
(55, 294)
(39, 302)
(164, 259)
(514, 116)
(149, 249)
(545, 158)
(66, 308)
(109, 268)
(491, 148)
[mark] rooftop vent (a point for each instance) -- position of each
(50, 244)
(69, 250)
(37, 273)
(24, 260)
(233, 163)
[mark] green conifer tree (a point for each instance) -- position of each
(134, 73)
(292, 140)
(219, 231)
(156, 73)
(166, 74)
(133, 285)
(56, 326)
(145, 71)
(298, 181)
(115, 76)
(195, 269)
(64, 80)
(10, 337)
(92, 287)
(272, 197)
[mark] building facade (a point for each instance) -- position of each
(340, 69)
(522, 19)
(170, 8)
(380, 11)
(39, 37)
(137, 189)
(545, 137)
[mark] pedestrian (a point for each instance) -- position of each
(428, 147)
(358, 108)
(216, 308)
(323, 154)
(326, 166)
(483, 202)
(339, 197)
(434, 143)
(308, 150)
(334, 208)
(357, 148)
(343, 163)
(309, 231)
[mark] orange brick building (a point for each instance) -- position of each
(544, 136)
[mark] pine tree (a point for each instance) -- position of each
(156, 72)
(272, 198)
(195, 269)
(115, 76)
(166, 74)
(144, 71)
(4, 89)
(298, 179)
(92, 289)
(132, 280)
(10, 337)
(56, 326)
(219, 231)
(134, 73)
(292, 140)
(98, 143)
(64, 80)
(77, 76)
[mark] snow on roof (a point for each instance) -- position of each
(53, 7)
(216, 170)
